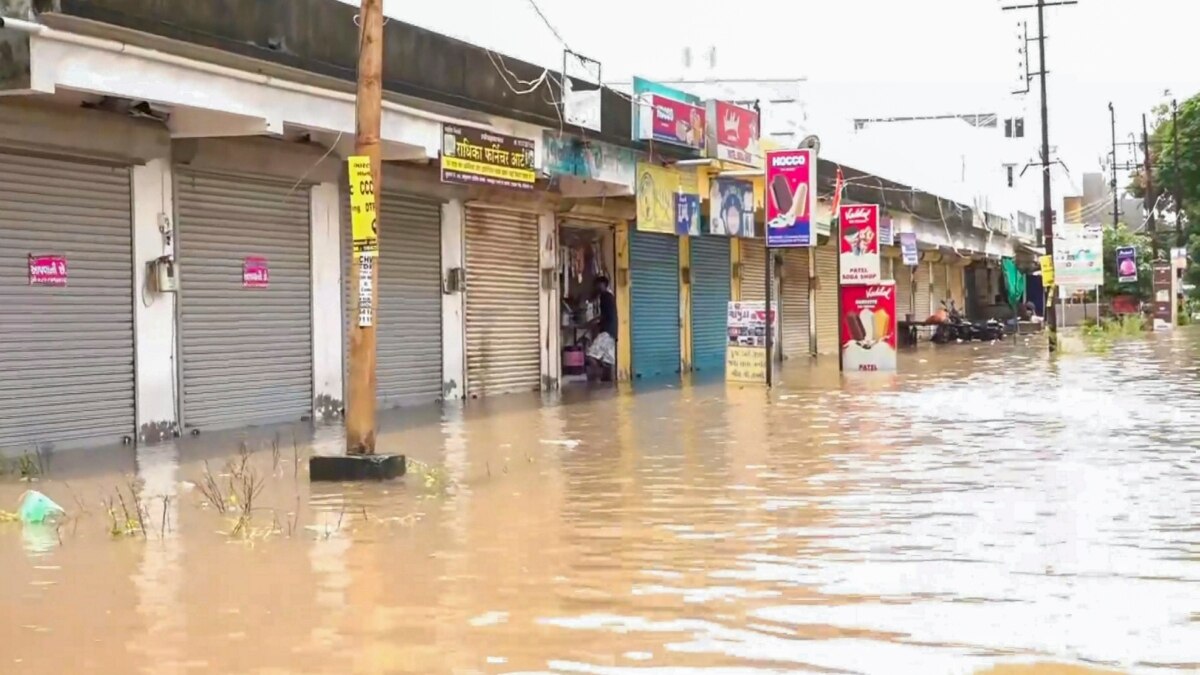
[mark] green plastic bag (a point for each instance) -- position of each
(38, 508)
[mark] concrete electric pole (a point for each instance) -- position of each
(364, 274)
(1150, 201)
(1116, 214)
(1180, 236)
(1047, 206)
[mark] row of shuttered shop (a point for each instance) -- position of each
(67, 371)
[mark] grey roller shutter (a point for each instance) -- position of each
(66, 353)
(941, 285)
(794, 303)
(923, 309)
(246, 352)
(408, 326)
(904, 290)
(503, 345)
(827, 290)
(754, 270)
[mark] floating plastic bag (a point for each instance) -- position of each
(38, 508)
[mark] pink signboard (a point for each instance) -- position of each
(672, 121)
(791, 198)
(47, 270)
(859, 242)
(255, 273)
(868, 327)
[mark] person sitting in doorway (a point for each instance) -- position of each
(602, 354)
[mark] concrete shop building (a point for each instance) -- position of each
(115, 155)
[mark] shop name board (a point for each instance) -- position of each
(47, 270)
(255, 273)
(478, 157)
(859, 245)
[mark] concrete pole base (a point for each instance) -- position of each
(347, 468)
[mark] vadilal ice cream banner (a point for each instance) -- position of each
(868, 327)
(1127, 271)
(791, 198)
(859, 243)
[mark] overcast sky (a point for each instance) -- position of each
(867, 57)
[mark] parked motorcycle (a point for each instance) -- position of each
(958, 329)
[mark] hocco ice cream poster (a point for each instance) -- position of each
(868, 327)
(791, 198)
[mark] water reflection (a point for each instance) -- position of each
(983, 510)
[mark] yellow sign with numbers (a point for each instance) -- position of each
(364, 220)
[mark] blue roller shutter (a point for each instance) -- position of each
(654, 278)
(710, 301)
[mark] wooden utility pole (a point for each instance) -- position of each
(364, 274)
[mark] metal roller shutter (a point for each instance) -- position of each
(941, 285)
(66, 352)
(957, 290)
(904, 291)
(246, 352)
(710, 301)
(754, 270)
(794, 303)
(654, 273)
(922, 310)
(503, 346)
(827, 302)
(408, 325)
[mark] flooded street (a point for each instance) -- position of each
(982, 509)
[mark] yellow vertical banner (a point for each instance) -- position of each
(364, 223)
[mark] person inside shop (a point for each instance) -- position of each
(602, 354)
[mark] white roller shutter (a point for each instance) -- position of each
(754, 270)
(827, 318)
(66, 352)
(503, 345)
(794, 303)
(246, 352)
(408, 325)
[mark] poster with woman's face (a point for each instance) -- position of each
(731, 208)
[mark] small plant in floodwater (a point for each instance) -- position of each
(126, 517)
(1100, 336)
(435, 479)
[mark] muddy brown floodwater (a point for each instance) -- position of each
(985, 510)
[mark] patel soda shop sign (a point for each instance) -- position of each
(868, 327)
(859, 242)
(791, 198)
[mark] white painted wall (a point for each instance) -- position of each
(454, 309)
(327, 313)
(154, 313)
(548, 303)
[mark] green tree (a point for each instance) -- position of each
(1176, 168)
(1120, 238)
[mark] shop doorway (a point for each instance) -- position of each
(588, 321)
